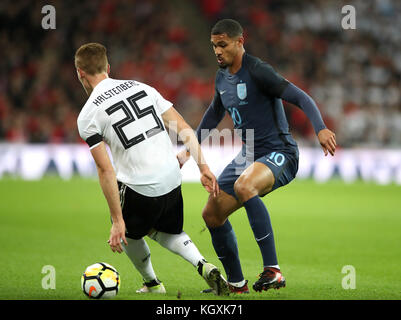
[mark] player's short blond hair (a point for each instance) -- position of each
(92, 58)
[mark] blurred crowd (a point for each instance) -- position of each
(353, 75)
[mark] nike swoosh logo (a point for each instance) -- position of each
(92, 288)
(272, 162)
(263, 237)
(222, 92)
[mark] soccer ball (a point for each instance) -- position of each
(100, 280)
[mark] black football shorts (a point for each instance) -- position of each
(142, 214)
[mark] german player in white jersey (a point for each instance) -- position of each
(143, 191)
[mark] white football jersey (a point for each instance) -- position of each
(126, 114)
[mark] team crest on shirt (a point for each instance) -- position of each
(241, 90)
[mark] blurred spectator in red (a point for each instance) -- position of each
(353, 75)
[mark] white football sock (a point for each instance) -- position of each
(273, 266)
(179, 244)
(139, 253)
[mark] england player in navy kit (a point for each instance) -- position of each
(251, 91)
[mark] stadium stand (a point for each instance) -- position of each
(354, 75)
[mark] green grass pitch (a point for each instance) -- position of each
(319, 229)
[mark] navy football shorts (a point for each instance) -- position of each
(283, 164)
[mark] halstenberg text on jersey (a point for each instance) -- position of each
(113, 91)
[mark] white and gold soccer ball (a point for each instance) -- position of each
(100, 280)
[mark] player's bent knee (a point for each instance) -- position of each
(244, 189)
(266, 190)
(211, 219)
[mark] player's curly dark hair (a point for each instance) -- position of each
(228, 26)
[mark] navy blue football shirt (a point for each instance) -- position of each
(252, 98)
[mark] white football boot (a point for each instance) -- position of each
(214, 279)
(154, 286)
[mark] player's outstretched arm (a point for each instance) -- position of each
(108, 183)
(300, 98)
(174, 121)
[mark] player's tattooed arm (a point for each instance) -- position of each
(211, 118)
(173, 120)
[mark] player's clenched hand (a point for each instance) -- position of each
(183, 157)
(117, 233)
(208, 180)
(327, 140)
